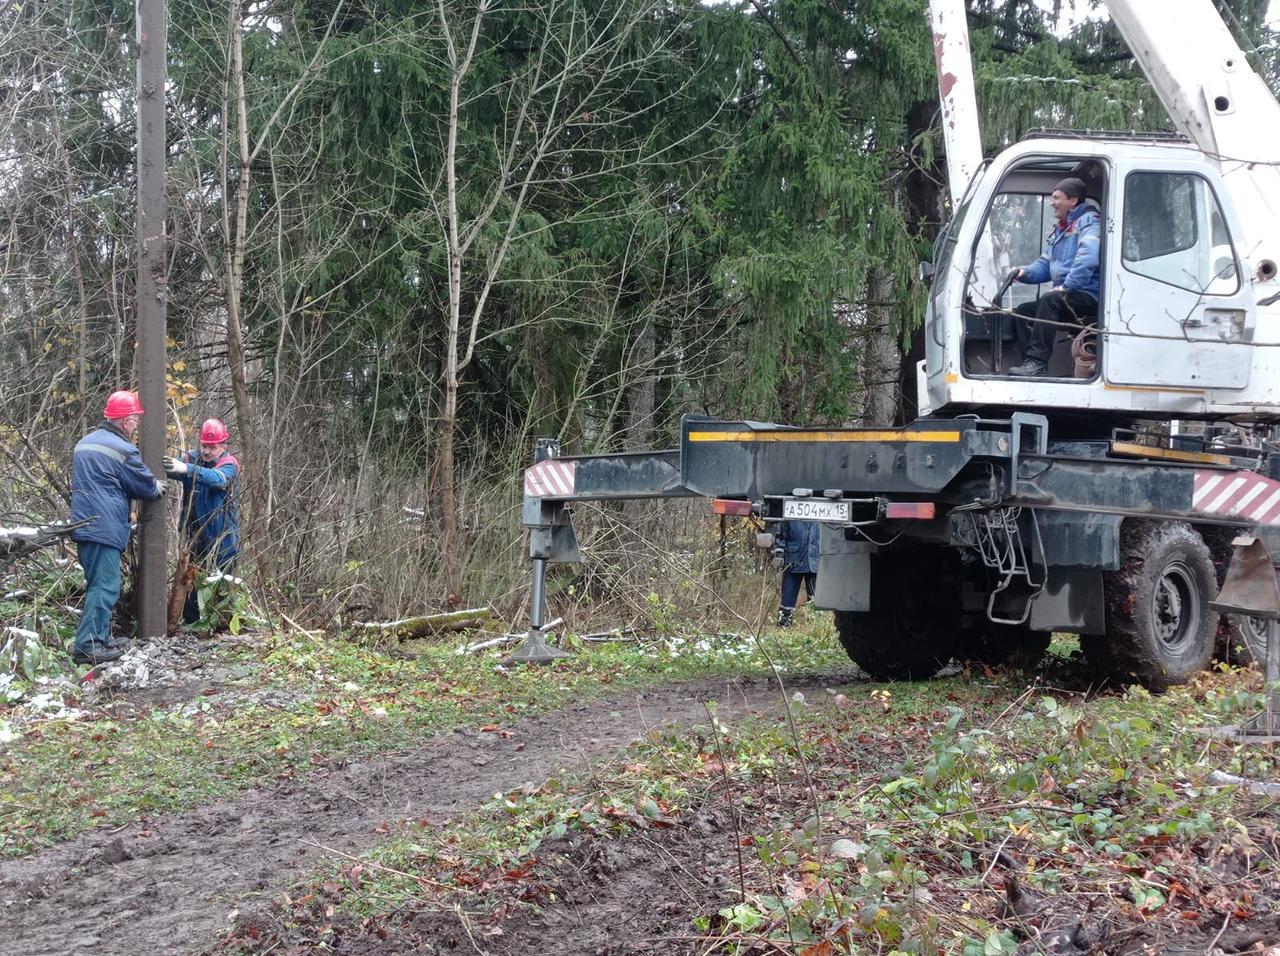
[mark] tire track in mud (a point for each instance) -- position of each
(166, 884)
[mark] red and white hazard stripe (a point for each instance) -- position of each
(1239, 494)
(551, 478)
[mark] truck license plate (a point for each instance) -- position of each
(810, 509)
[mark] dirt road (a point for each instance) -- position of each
(167, 884)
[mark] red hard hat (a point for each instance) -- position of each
(213, 432)
(122, 405)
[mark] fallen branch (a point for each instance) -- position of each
(22, 540)
(483, 645)
(1261, 787)
(512, 636)
(425, 624)
(371, 865)
(298, 627)
(616, 634)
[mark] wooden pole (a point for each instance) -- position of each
(152, 32)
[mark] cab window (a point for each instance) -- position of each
(1174, 232)
(1016, 228)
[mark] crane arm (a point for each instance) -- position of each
(1217, 100)
(954, 64)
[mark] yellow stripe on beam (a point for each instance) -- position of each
(826, 436)
(1107, 386)
(1169, 454)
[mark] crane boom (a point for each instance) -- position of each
(954, 63)
(1215, 99)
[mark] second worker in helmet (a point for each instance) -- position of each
(210, 506)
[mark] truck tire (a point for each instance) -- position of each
(909, 633)
(1241, 638)
(1160, 629)
(1246, 638)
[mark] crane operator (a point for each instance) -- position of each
(1070, 262)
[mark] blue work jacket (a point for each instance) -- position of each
(1070, 258)
(211, 508)
(107, 473)
(799, 540)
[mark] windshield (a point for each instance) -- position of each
(944, 249)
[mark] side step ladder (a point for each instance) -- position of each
(996, 534)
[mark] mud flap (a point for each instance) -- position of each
(844, 572)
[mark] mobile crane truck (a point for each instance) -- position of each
(1092, 499)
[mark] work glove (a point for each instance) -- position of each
(162, 488)
(1015, 274)
(175, 467)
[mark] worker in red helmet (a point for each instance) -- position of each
(107, 474)
(210, 505)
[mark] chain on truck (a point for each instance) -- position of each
(1101, 497)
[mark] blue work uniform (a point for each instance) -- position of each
(211, 509)
(1070, 259)
(210, 517)
(1070, 263)
(107, 474)
(799, 540)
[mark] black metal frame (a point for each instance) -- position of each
(961, 465)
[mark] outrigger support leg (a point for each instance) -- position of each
(1264, 726)
(535, 649)
(551, 538)
(551, 485)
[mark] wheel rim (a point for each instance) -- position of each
(917, 625)
(1253, 630)
(1175, 607)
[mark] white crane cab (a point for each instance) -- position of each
(1178, 320)
(1187, 324)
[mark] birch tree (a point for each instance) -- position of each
(242, 145)
(572, 108)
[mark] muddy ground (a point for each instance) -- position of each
(638, 896)
(168, 884)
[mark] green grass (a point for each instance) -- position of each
(326, 699)
(1101, 805)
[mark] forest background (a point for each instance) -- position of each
(407, 238)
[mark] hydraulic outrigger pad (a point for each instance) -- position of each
(535, 649)
(1250, 587)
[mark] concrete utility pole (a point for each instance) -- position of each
(151, 290)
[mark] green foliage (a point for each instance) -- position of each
(805, 222)
(224, 604)
(759, 193)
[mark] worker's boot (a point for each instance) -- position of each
(1032, 366)
(784, 616)
(97, 653)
